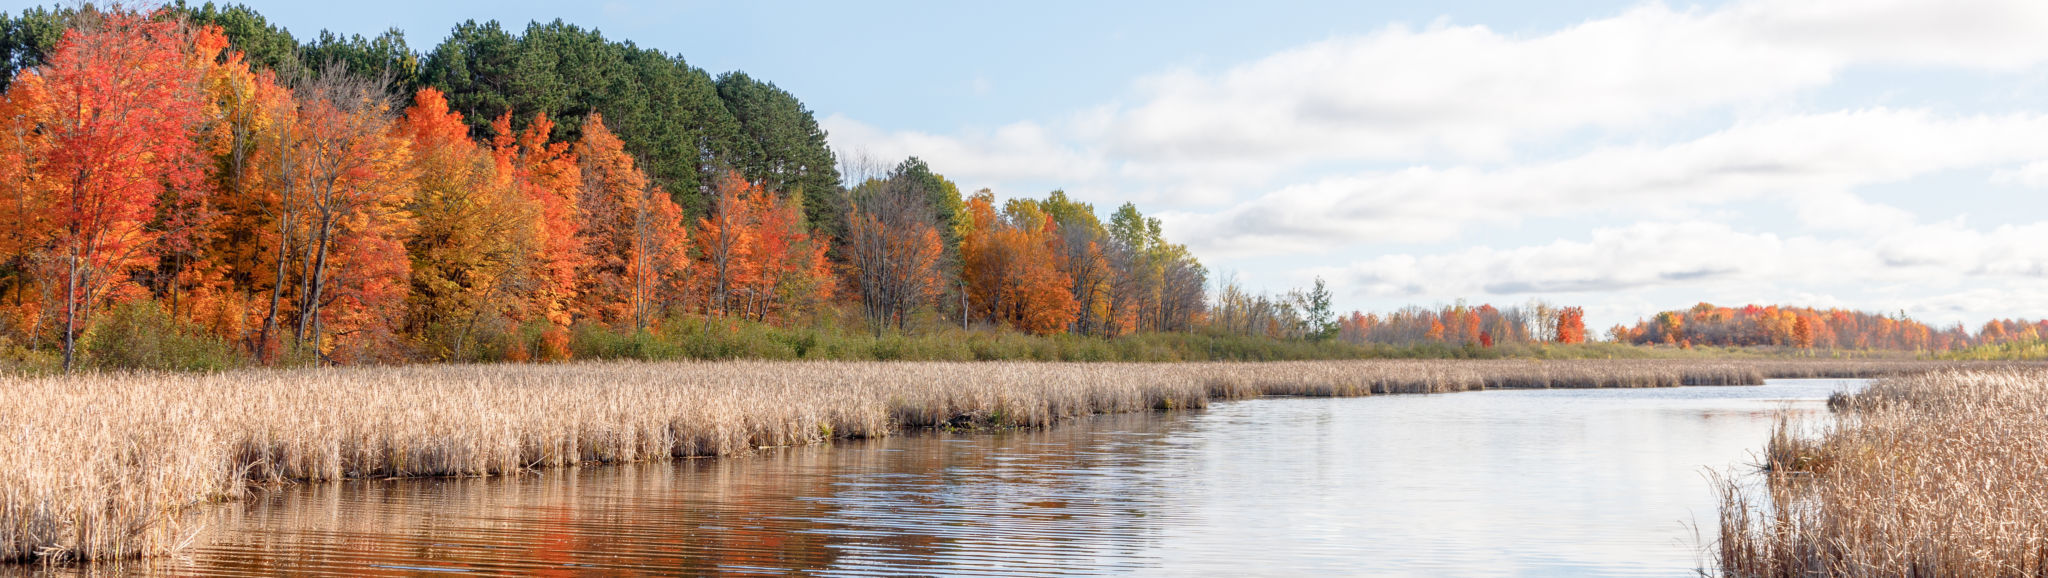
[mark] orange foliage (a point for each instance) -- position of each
(1761, 325)
(1014, 269)
(635, 233)
(475, 248)
(548, 175)
(358, 186)
(758, 261)
(1571, 325)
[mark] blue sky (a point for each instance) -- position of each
(1626, 156)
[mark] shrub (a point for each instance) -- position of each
(140, 335)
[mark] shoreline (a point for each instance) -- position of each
(108, 464)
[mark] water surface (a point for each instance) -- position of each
(1543, 482)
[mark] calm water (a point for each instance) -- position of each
(1561, 482)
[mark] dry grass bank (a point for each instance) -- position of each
(103, 466)
(1942, 474)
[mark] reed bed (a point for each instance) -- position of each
(1940, 474)
(97, 466)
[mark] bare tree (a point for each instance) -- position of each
(894, 250)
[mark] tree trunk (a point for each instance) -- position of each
(309, 313)
(70, 313)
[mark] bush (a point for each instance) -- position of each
(685, 336)
(140, 335)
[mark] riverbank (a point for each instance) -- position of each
(1938, 474)
(143, 337)
(106, 465)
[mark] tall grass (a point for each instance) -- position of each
(1941, 474)
(105, 465)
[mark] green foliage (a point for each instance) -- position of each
(1069, 213)
(2021, 350)
(263, 45)
(1322, 320)
(17, 357)
(384, 57)
(786, 149)
(140, 335)
(947, 205)
(667, 112)
(27, 38)
(688, 337)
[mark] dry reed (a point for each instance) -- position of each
(1941, 474)
(96, 466)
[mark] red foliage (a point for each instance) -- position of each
(1571, 325)
(118, 101)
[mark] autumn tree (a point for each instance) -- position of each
(1802, 333)
(213, 253)
(634, 232)
(724, 237)
(1571, 325)
(1012, 267)
(757, 260)
(914, 178)
(1083, 244)
(26, 223)
(354, 267)
(475, 237)
(120, 105)
(548, 176)
(791, 272)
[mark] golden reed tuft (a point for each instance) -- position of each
(96, 466)
(1938, 474)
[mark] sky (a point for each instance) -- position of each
(1628, 157)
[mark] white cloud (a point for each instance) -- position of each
(1810, 160)
(1979, 34)
(1470, 92)
(1018, 151)
(2034, 174)
(1462, 93)
(1638, 256)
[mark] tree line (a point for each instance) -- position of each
(1810, 328)
(347, 200)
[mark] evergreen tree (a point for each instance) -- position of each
(787, 152)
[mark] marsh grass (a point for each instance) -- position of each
(106, 465)
(1941, 474)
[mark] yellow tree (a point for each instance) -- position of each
(475, 235)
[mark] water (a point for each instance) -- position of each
(1553, 482)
